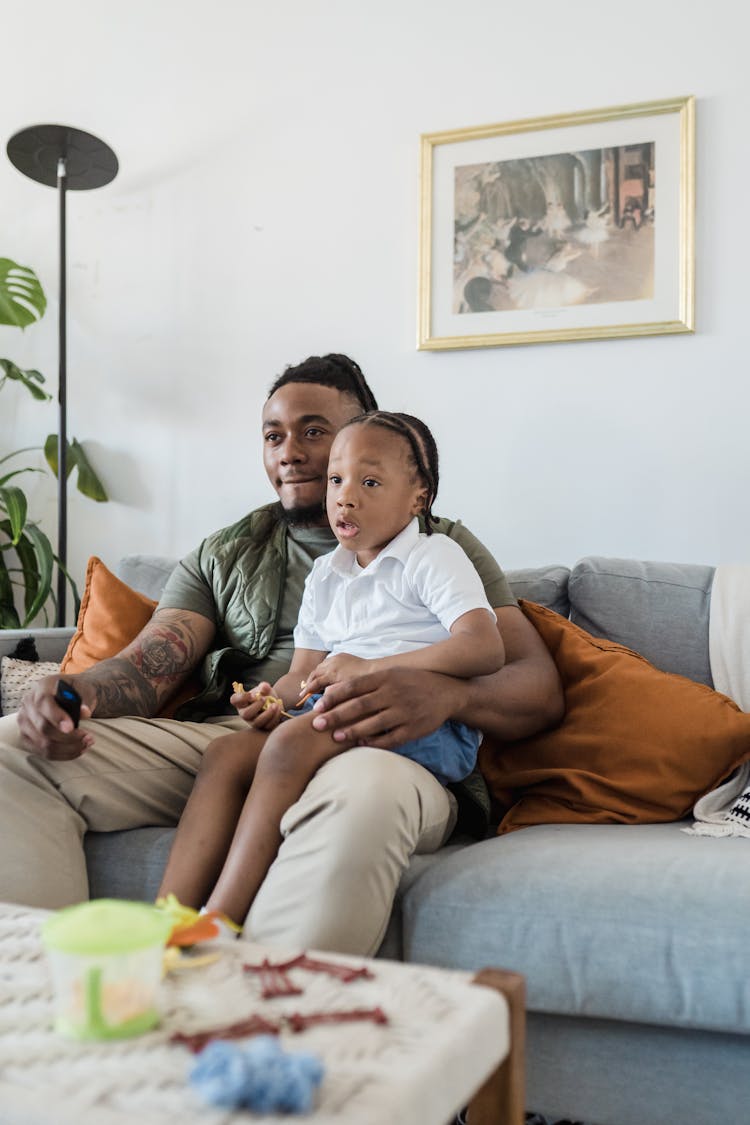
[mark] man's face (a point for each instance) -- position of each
(300, 422)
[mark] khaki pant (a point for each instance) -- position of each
(346, 841)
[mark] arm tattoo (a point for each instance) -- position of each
(121, 690)
(165, 654)
(139, 680)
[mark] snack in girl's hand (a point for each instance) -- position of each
(268, 700)
(304, 696)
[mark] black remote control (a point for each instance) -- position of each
(68, 698)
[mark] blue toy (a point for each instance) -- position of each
(258, 1075)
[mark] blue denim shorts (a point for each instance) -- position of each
(450, 752)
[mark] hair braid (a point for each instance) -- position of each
(333, 370)
(421, 444)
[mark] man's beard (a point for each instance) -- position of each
(309, 515)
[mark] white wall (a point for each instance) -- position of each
(267, 208)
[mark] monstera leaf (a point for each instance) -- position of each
(27, 561)
(30, 379)
(22, 299)
(36, 559)
(75, 458)
(13, 503)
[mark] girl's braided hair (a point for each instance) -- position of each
(421, 444)
(332, 370)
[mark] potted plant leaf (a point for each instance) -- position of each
(27, 560)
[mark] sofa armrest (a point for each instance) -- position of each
(50, 643)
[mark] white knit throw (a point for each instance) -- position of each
(726, 810)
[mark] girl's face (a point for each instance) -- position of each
(374, 489)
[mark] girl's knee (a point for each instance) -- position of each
(297, 748)
(219, 750)
(235, 754)
(284, 749)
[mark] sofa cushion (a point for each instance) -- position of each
(127, 864)
(659, 609)
(628, 922)
(546, 585)
(146, 573)
(636, 745)
(111, 615)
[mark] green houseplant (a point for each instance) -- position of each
(27, 560)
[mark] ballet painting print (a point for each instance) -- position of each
(549, 229)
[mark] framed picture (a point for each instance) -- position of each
(574, 227)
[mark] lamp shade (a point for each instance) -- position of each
(37, 151)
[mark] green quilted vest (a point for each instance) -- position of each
(245, 567)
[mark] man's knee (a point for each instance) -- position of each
(10, 735)
(367, 794)
(346, 844)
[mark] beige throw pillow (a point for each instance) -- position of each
(17, 676)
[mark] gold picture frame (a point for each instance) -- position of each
(548, 229)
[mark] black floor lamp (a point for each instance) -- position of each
(68, 159)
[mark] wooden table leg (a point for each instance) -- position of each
(502, 1098)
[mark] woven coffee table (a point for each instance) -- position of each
(446, 1042)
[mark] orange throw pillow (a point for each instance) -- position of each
(111, 615)
(636, 745)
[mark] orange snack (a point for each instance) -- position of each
(268, 700)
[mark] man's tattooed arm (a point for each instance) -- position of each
(142, 678)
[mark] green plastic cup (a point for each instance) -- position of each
(106, 958)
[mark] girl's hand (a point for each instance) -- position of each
(256, 708)
(333, 669)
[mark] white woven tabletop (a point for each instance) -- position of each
(444, 1036)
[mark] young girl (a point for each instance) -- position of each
(386, 595)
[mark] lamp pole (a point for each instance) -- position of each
(62, 398)
(70, 160)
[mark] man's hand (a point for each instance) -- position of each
(137, 681)
(46, 729)
(385, 708)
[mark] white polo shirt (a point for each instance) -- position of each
(407, 598)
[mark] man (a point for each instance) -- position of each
(230, 609)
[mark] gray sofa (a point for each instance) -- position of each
(632, 938)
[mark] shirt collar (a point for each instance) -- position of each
(400, 547)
